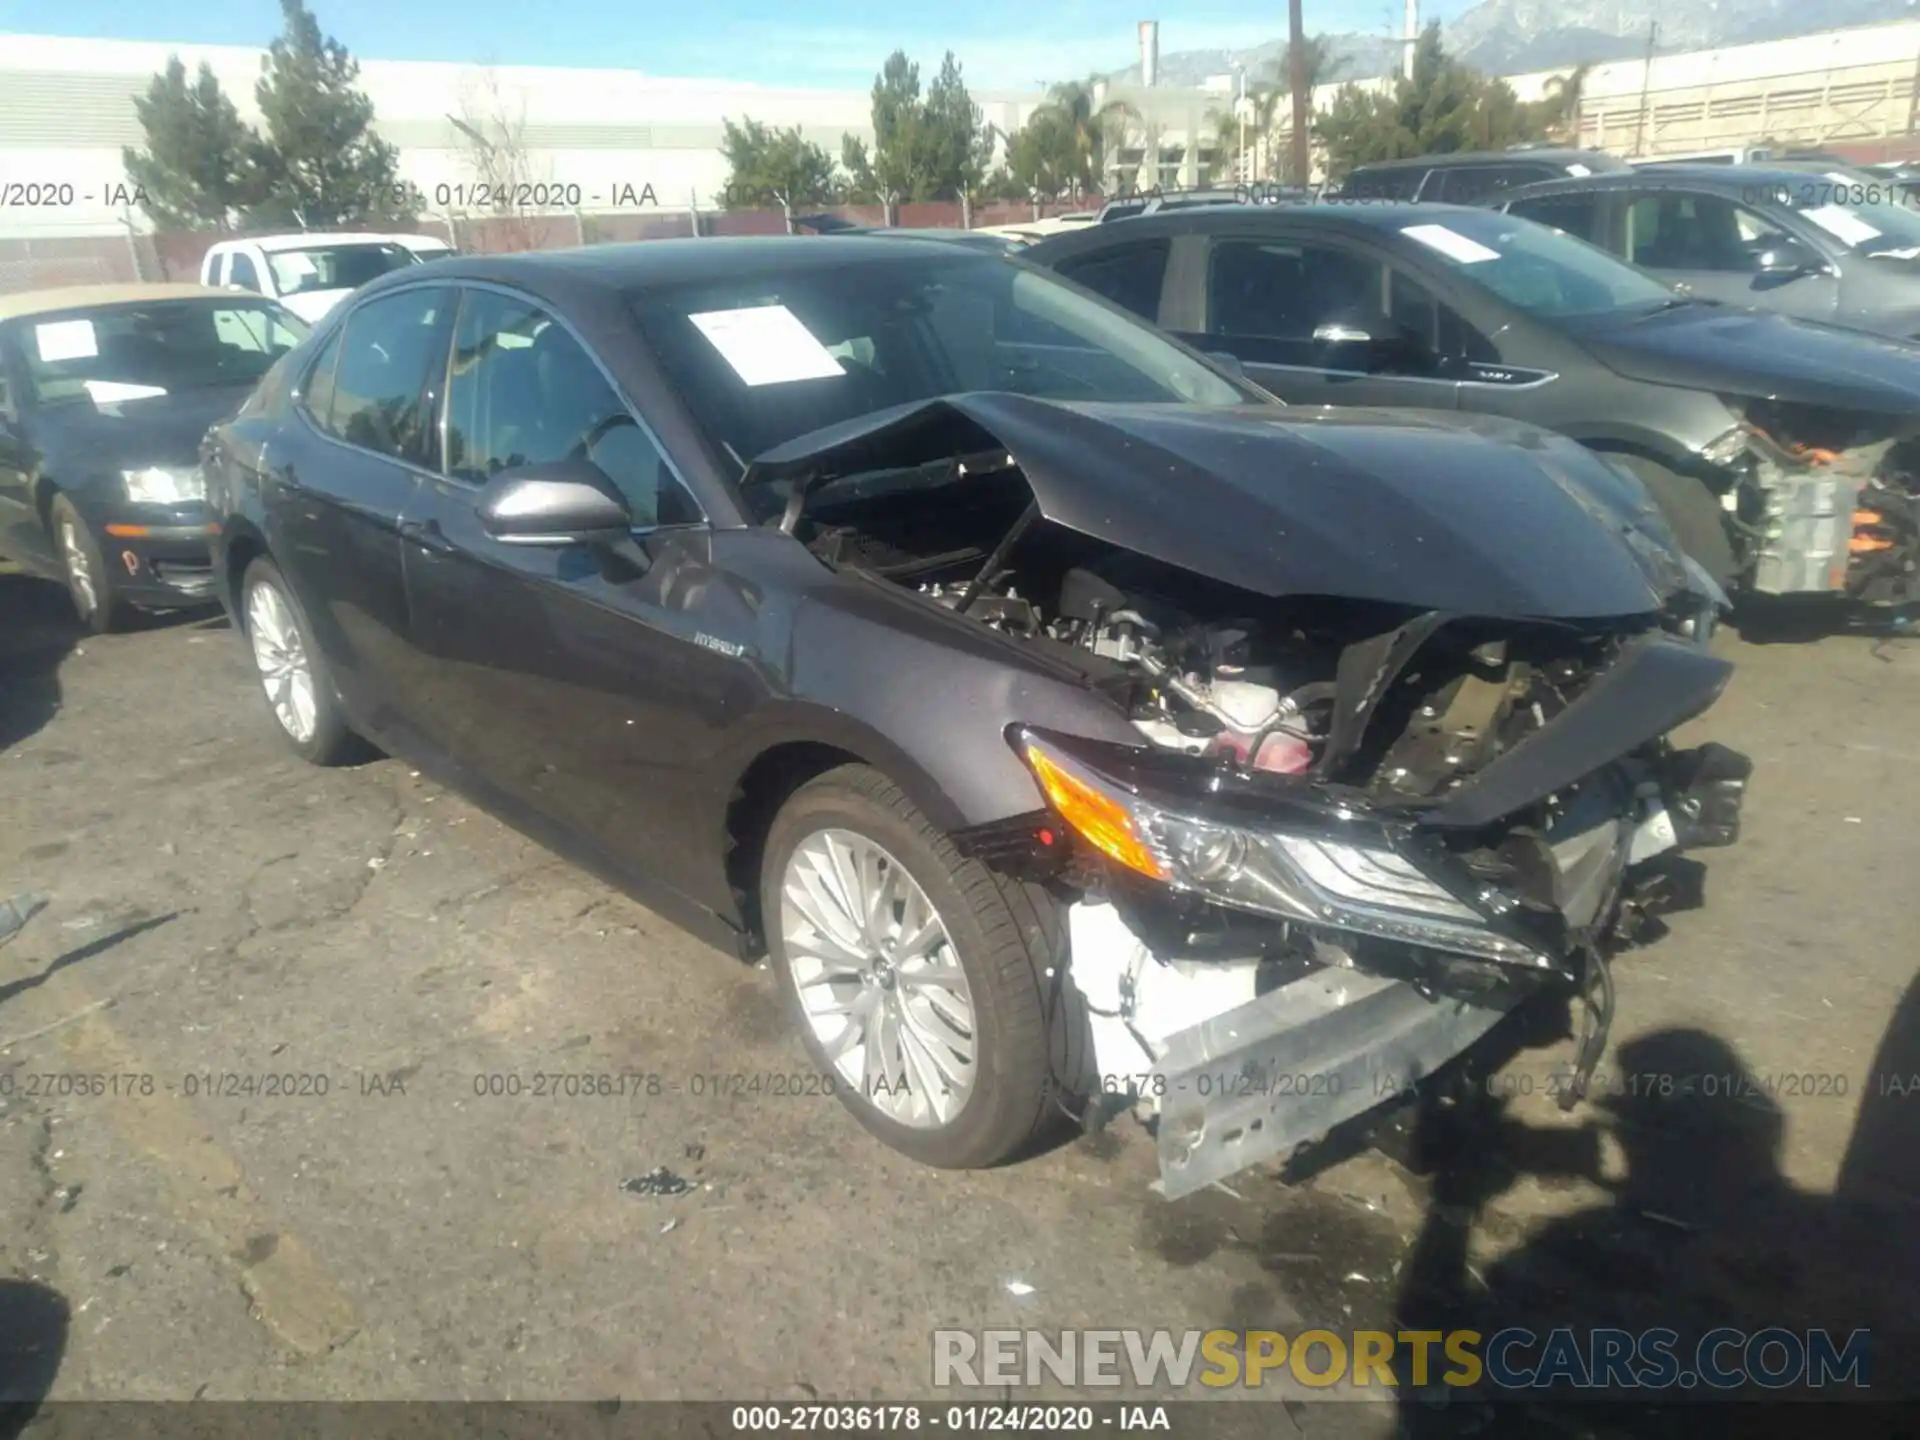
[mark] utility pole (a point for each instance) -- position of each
(1412, 37)
(1646, 87)
(1297, 82)
(1241, 175)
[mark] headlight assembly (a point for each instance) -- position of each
(1353, 884)
(164, 485)
(1727, 449)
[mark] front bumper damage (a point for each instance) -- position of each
(1263, 1074)
(1235, 1069)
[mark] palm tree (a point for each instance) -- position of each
(1561, 107)
(1317, 59)
(1320, 57)
(1094, 128)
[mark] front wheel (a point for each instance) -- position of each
(299, 691)
(929, 988)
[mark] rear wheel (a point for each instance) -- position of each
(929, 988)
(1694, 512)
(299, 691)
(89, 580)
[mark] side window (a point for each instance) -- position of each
(388, 350)
(1673, 230)
(1578, 215)
(242, 273)
(1270, 297)
(316, 391)
(1285, 289)
(524, 392)
(212, 268)
(1398, 182)
(1470, 184)
(1129, 275)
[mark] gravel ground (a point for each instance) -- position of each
(391, 1229)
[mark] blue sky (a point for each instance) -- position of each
(1001, 44)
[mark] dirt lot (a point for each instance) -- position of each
(222, 910)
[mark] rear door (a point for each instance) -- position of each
(339, 480)
(1711, 244)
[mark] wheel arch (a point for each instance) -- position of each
(240, 545)
(803, 745)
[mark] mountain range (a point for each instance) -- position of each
(1516, 37)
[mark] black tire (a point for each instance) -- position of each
(333, 741)
(1694, 512)
(106, 612)
(1031, 1039)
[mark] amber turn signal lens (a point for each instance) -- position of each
(1101, 820)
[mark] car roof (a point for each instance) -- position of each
(315, 239)
(1250, 219)
(643, 264)
(1552, 155)
(1736, 179)
(86, 297)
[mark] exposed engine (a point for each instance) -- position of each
(1259, 693)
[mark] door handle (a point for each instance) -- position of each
(428, 535)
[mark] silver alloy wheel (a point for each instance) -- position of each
(73, 550)
(878, 978)
(281, 658)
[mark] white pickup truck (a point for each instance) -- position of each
(311, 273)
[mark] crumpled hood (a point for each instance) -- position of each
(1470, 515)
(129, 434)
(1762, 355)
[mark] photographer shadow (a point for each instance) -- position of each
(1703, 1230)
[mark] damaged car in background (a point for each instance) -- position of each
(1785, 453)
(1069, 723)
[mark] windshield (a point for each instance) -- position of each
(334, 267)
(761, 359)
(117, 353)
(1540, 270)
(1868, 216)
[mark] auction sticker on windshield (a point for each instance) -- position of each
(1842, 223)
(65, 340)
(1450, 243)
(767, 345)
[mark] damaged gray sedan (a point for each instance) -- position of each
(1068, 722)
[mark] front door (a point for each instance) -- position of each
(1709, 246)
(1321, 321)
(566, 682)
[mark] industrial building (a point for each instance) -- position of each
(603, 141)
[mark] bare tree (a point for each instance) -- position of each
(513, 189)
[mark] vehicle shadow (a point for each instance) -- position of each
(34, 1320)
(1790, 620)
(38, 630)
(1703, 1230)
